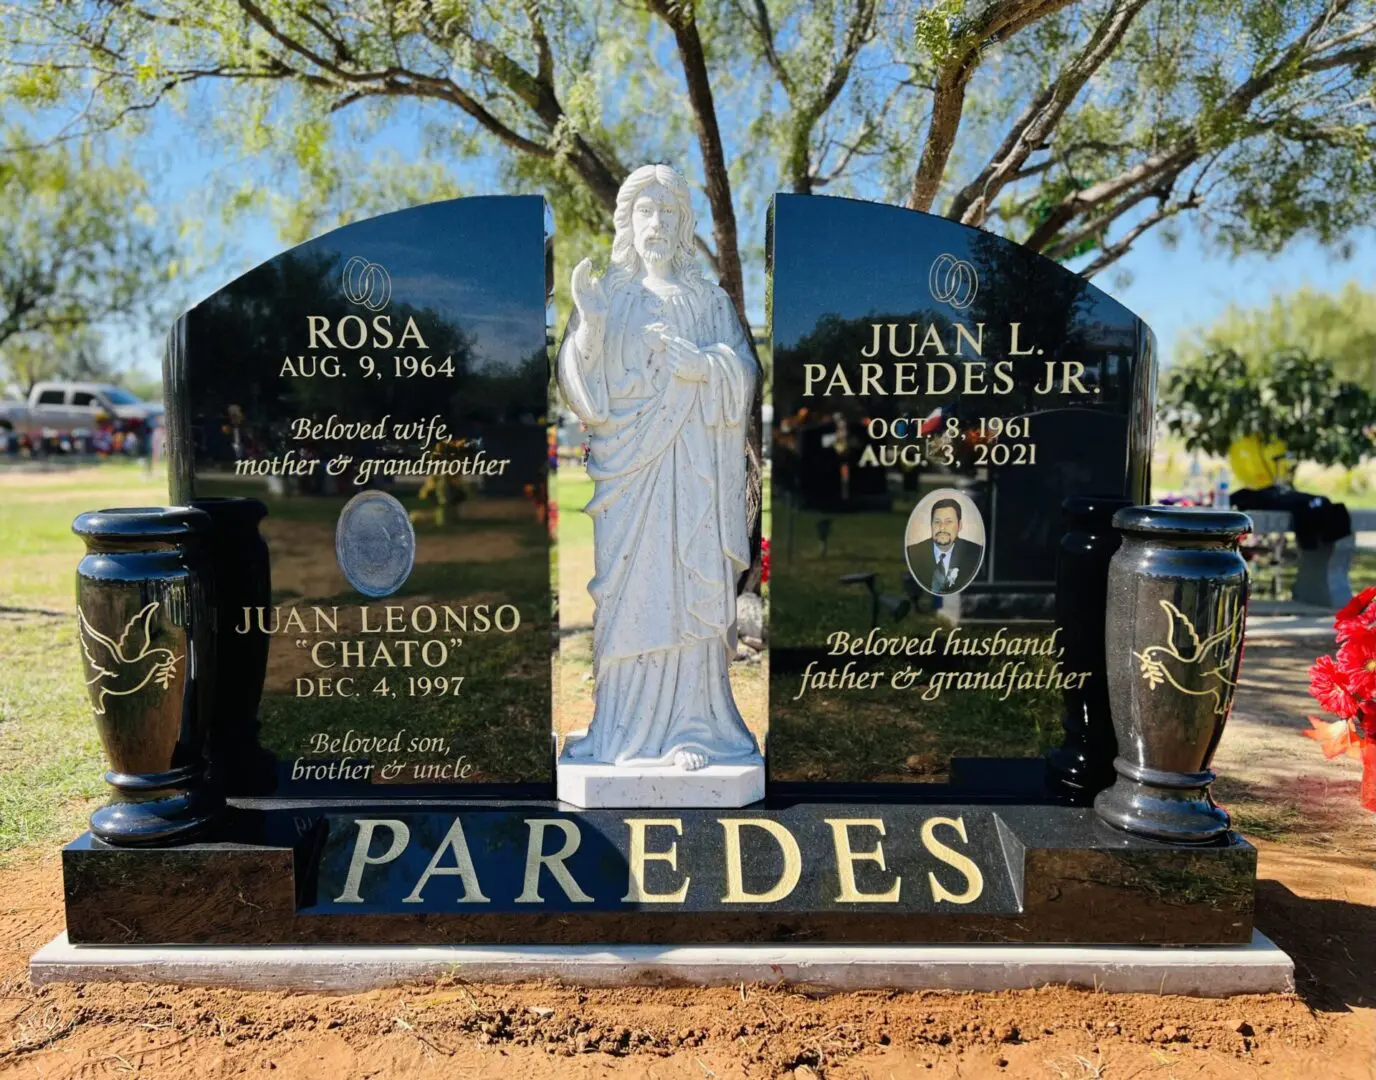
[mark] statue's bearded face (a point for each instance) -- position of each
(655, 217)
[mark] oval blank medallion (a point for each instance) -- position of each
(375, 543)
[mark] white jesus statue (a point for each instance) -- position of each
(656, 365)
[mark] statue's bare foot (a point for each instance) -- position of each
(690, 760)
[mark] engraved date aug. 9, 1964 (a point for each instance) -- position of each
(331, 366)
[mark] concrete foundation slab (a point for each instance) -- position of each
(1200, 970)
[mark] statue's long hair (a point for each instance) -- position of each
(626, 266)
(625, 261)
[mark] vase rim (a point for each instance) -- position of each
(167, 523)
(1187, 521)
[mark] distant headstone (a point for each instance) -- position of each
(938, 393)
(382, 390)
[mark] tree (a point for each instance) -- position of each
(1072, 127)
(1287, 396)
(81, 249)
(1341, 327)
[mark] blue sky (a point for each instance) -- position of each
(1173, 288)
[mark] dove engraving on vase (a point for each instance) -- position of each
(1194, 666)
(144, 620)
(1177, 598)
(124, 666)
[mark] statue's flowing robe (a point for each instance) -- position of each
(668, 461)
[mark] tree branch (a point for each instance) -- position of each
(798, 165)
(1043, 113)
(717, 182)
(997, 21)
(771, 53)
(1111, 253)
(1192, 146)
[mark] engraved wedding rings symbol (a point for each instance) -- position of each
(375, 543)
(366, 283)
(953, 281)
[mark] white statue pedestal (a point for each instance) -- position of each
(594, 786)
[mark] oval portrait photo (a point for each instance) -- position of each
(944, 541)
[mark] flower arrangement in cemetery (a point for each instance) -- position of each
(445, 491)
(1344, 683)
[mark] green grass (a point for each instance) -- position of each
(51, 765)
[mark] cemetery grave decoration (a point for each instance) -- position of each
(345, 733)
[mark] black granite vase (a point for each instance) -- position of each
(145, 623)
(1177, 601)
(1082, 765)
(240, 570)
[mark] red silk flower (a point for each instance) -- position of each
(1329, 687)
(1357, 661)
(1345, 686)
(1353, 615)
(1335, 738)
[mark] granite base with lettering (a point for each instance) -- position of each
(538, 872)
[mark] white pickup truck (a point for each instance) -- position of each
(64, 408)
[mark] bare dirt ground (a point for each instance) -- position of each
(1316, 898)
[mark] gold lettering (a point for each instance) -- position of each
(535, 859)
(951, 857)
(635, 889)
(401, 836)
(839, 383)
(931, 339)
(893, 339)
(1013, 349)
(316, 326)
(463, 868)
(847, 858)
(976, 343)
(410, 332)
(873, 352)
(870, 380)
(735, 878)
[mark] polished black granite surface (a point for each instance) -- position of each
(534, 871)
(916, 361)
(400, 360)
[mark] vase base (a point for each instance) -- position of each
(174, 818)
(1180, 815)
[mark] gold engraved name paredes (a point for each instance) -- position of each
(125, 666)
(955, 877)
(1212, 659)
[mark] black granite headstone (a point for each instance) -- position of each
(938, 393)
(382, 389)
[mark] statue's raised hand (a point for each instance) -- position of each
(591, 303)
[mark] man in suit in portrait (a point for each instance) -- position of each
(945, 563)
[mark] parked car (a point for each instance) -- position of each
(63, 408)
